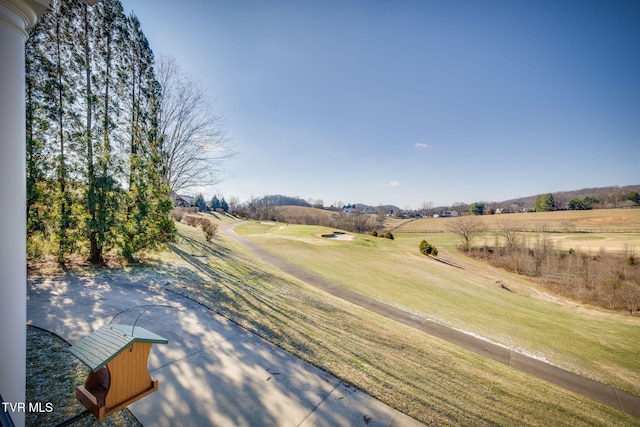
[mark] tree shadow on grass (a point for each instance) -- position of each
(198, 248)
(444, 261)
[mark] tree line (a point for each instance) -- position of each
(216, 204)
(357, 221)
(277, 200)
(96, 168)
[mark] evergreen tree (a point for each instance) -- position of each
(110, 52)
(90, 86)
(215, 203)
(200, 203)
(589, 202)
(585, 204)
(427, 248)
(145, 223)
(476, 208)
(91, 199)
(59, 102)
(575, 204)
(545, 203)
(138, 62)
(37, 157)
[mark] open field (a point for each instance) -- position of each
(594, 343)
(589, 243)
(596, 220)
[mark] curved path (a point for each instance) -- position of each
(597, 391)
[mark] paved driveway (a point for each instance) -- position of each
(212, 372)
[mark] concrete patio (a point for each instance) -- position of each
(212, 372)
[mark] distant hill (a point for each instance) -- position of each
(304, 214)
(301, 210)
(608, 197)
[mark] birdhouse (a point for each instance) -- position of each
(117, 356)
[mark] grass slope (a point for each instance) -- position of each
(596, 344)
(428, 379)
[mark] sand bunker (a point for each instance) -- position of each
(338, 235)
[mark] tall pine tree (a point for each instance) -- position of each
(59, 103)
(37, 157)
(147, 200)
(93, 148)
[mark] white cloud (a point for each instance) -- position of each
(393, 183)
(421, 146)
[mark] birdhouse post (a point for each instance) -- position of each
(117, 356)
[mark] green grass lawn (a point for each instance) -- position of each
(431, 380)
(594, 343)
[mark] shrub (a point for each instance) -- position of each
(208, 228)
(192, 209)
(427, 248)
(374, 233)
(190, 220)
(176, 214)
(387, 235)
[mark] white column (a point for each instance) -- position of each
(15, 17)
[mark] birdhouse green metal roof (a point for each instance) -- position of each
(99, 348)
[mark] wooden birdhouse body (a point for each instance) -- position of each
(117, 356)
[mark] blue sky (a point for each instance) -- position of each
(401, 102)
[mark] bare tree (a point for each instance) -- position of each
(630, 296)
(234, 203)
(510, 232)
(467, 227)
(195, 141)
(426, 208)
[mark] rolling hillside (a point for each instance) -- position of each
(596, 220)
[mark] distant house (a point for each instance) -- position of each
(184, 201)
(504, 210)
